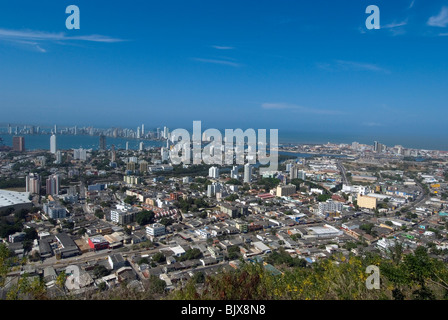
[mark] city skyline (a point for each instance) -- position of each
(287, 66)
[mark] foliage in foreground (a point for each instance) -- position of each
(416, 276)
(411, 276)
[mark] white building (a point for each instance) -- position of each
(329, 206)
(165, 154)
(213, 172)
(234, 172)
(33, 183)
(53, 146)
(247, 173)
(155, 230)
(80, 154)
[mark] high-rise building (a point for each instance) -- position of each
(127, 145)
(53, 185)
(293, 172)
(143, 167)
(18, 144)
(113, 156)
(247, 173)
(138, 132)
(143, 129)
(329, 206)
(213, 172)
(53, 145)
(58, 157)
(102, 142)
(55, 129)
(234, 172)
(80, 154)
(287, 190)
(33, 183)
(141, 146)
(164, 153)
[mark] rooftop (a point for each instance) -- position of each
(10, 198)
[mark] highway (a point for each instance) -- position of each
(343, 173)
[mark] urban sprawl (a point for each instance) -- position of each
(82, 219)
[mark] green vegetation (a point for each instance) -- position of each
(233, 252)
(190, 254)
(131, 200)
(415, 276)
(145, 217)
(232, 197)
(158, 257)
(234, 182)
(100, 271)
(323, 197)
(281, 257)
(268, 183)
(191, 204)
(12, 183)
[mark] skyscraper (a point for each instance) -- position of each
(293, 172)
(234, 172)
(113, 157)
(53, 146)
(213, 172)
(18, 144)
(138, 132)
(33, 183)
(141, 146)
(53, 185)
(102, 142)
(247, 173)
(80, 154)
(143, 129)
(58, 157)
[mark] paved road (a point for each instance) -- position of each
(343, 173)
(92, 256)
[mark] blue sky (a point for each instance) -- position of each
(293, 65)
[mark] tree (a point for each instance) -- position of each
(130, 200)
(145, 217)
(81, 231)
(100, 271)
(157, 285)
(158, 257)
(143, 261)
(199, 277)
(99, 213)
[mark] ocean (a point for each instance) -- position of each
(65, 142)
(42, 142)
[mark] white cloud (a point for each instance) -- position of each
(394, 25)
(440, 20)
(343, 65)
(34, 38)
(216, 61)
(223, 47)
(297, 108)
